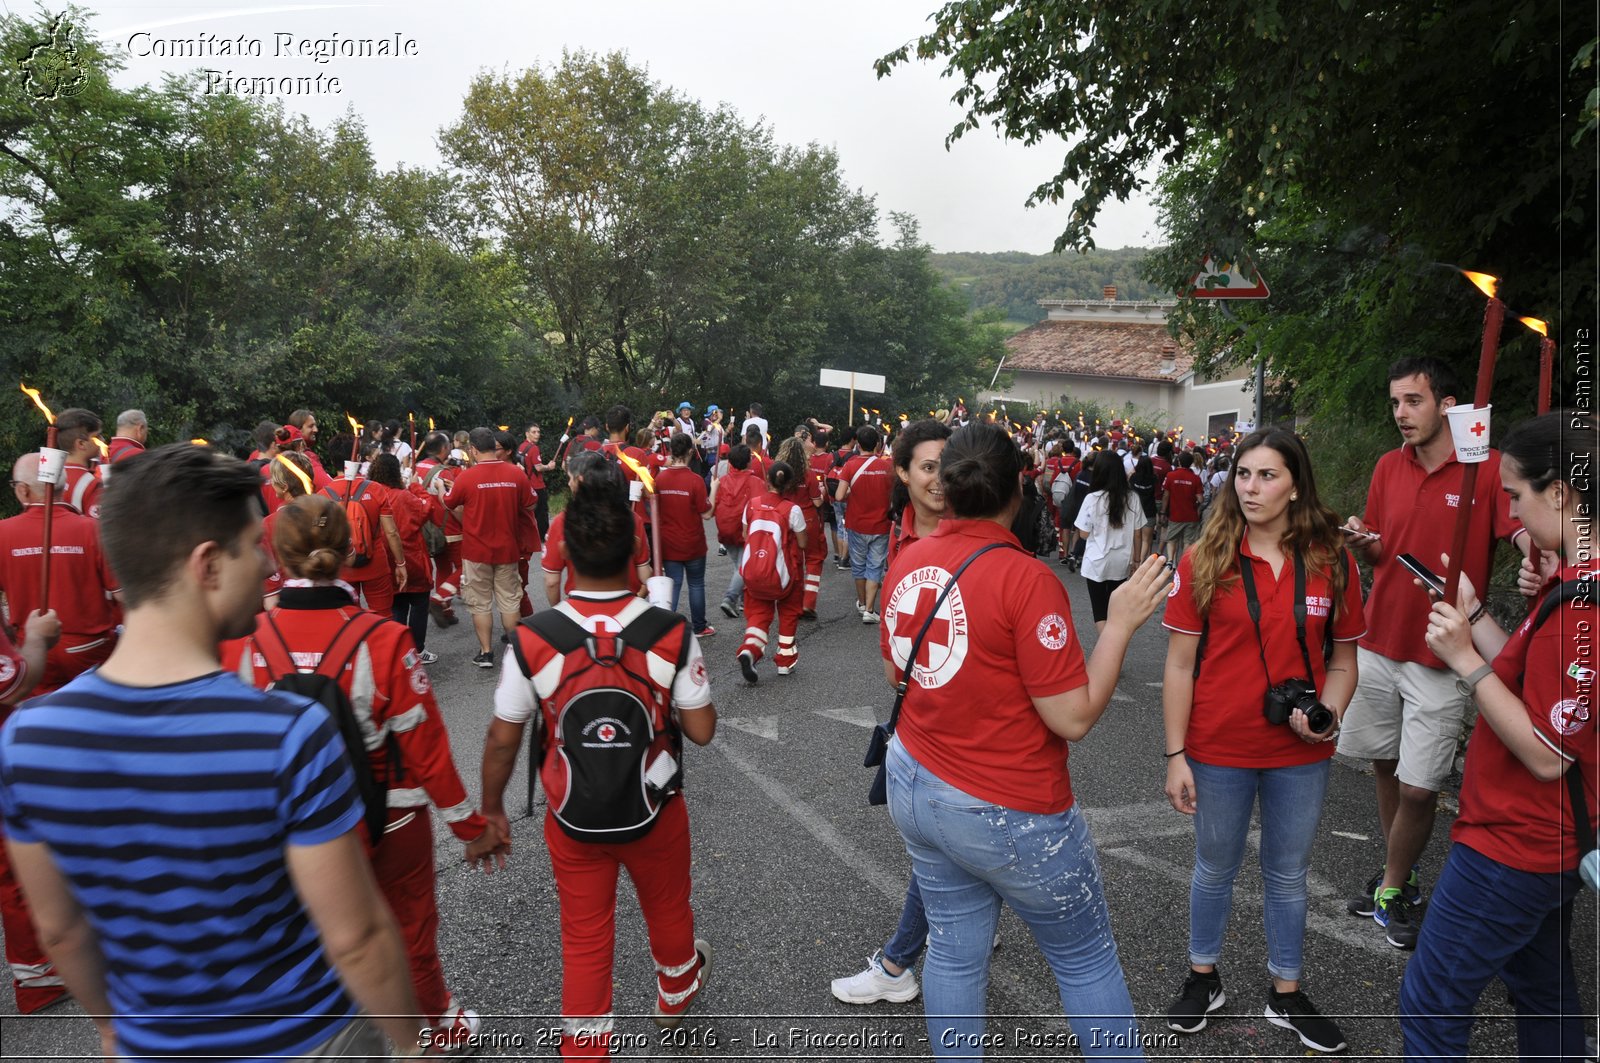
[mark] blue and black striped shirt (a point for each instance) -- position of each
(168, 809)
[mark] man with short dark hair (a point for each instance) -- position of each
(78, 433)
(160, 758)
(490, 497)
(1407, 712)
(866, 481)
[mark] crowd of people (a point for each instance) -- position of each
(230, 682)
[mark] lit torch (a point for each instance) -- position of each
(355, 436)
(1547, 355)
(655, 511)
(1494, 314)
(50, 455)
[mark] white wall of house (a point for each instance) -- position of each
(1184, 401)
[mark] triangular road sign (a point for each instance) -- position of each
(1224, 280)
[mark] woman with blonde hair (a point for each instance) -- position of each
(317, 627)
(1261, 664)
(807, 494)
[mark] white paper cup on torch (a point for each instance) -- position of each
(659, 588)
(352, 469)
(52, 464)
(1469, 428)
(636, 492)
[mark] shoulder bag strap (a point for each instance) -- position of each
(916, 643)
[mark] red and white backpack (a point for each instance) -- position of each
(771, 563)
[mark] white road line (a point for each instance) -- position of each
(760, 726)
(860, 716)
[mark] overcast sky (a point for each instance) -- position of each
(805, 69)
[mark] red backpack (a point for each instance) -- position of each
(361, 540)
(733, 494)
(771, 561)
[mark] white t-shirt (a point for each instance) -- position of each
(759, 422)
(1108, 552)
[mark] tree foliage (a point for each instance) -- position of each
(1013, 282)
(1352, 146)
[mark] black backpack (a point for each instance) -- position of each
(605, 773)
(322, 686)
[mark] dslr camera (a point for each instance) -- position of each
(1300, 694)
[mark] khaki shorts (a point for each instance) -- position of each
(1405, 712)
(358, 1042)
(490, 588)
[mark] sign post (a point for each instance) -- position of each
(853, 382)
(1224, 280)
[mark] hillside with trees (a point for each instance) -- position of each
(1013, 282)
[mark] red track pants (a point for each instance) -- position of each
(403, 866)
(758, 618)
(33, 976)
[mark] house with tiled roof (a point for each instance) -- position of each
(1119, 352)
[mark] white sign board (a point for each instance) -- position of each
(1243, 428)
(837, 378)
(1224, 280)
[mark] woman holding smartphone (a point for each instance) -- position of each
(1261, 663)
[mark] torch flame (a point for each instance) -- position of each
(1542, 328)
(1483, 282)
(300, 474)
(197, 441)
(640, 471)
(105, 451)
(355, 425)
(430, 424)
(33, 393)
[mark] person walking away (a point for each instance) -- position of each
(657, 660)
(377, 564)
(730, 494)
(411, 510)
(772, 565)
(1260, 667)
(489, 497)
(683, 503)
(152, 757)
(1180, 499)
(1001, 663)
(864, 483)
(1110, 519)
(1502, 907)
(556, 565)
(437, 475)
(807, 494)
(1407, 714)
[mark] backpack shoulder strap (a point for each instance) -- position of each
(556, 628)
(278, 659)
(653, 625)
(355, 642)
(1565, 592)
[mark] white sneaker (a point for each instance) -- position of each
(869, 617)
(457, 1031)
(875, 984)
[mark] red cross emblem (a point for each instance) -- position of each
(1478, 429)
(907, 624)
(605, 732)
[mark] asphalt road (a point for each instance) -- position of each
(797, 880)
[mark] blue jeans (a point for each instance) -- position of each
(912, 934)
(696, 571)
(1291, 805)
(736, 583)
(970, 856)
(1486, 919)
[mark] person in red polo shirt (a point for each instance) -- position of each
(78, 433)
(684, 503)
(1503, 904)
(1407, 715)
(865, 481)
(1180, 502)
(1001, 664)
(1268, 596)
(436, 475)
(82, 586)
(536, 468)
(556, 565)
(132, 431)
(806, 494)
(490, 498)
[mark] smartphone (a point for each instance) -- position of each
(1355, 534)
(1431, 579)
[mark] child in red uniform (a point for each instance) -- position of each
(783, 527)
(807, 495)
(388, 690)
(683, 503)
(437, 476)
(599, 544)
(557, 566)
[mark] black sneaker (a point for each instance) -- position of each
(729, 610)
(1201, 995)
(1399, 917)
(747, 665)
(1363, 903)
(1294, 1011)
(484, 659)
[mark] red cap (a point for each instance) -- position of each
(289, 434)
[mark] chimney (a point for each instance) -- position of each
(1169, 358)
(1109, 293)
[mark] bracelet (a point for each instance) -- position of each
(1174, 753)
(1478, 613)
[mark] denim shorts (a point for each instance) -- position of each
(869, 556)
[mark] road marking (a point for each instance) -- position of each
(1157, 683)
(1122, 824)
(760, 726)
(1119, 696)
(1351, 835)
(860, 716)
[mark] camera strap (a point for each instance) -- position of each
(1253, 604)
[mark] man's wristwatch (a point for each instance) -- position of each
(1464, 687)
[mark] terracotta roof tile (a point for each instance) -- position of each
(1124, 349)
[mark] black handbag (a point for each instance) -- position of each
(878, 744)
